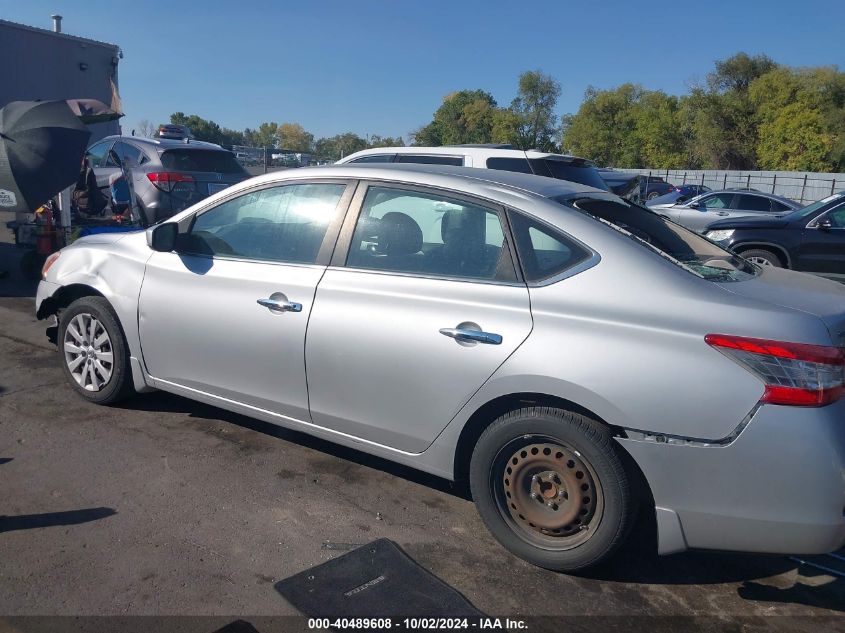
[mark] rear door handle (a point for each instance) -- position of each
(722, 213)
(475, 336)
(280, 306)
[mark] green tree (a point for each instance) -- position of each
(294, 137)
(385, 141)
(465, 116)
(534, 106)
(340, 145)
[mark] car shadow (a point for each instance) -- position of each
(51, 519)
(167, 402)
(637, 563)
(5, 460)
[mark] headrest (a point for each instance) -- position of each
(458, 226)
(399, 234)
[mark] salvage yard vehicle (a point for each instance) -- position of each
(811, 239)
(700, 212)
(573, 356)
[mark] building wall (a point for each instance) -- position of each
(42, 65)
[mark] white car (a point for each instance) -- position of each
(500, 157)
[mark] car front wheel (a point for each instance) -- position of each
(551, 488)
(762, 257)
(93, 351)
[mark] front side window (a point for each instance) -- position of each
(544, 252)
(280, 224)
(412, 232)
(683, 247)
(836, 217)
(717, 201)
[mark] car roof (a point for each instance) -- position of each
(504, 151)
(470, 179)
(762, 194)
(164, 143)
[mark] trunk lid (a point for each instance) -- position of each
(807, 293)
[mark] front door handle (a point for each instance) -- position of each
(275, 305)
(723, 213)
(475, 336)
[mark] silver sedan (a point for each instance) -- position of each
(700, 212)
(573, 356)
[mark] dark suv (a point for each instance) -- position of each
(811, 239)
(167, 175)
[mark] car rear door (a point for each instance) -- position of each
(424, 309)
(226, 313)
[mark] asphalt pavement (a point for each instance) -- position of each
(164, 506)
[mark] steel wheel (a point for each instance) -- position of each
(88, 352)
(548, 492)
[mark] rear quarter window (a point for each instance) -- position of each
(509, 164)
(220, 162)
(543, 251)
(575, 171)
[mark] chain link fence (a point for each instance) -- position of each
(803, 187)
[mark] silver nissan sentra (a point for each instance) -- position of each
(575, 357)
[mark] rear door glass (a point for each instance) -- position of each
(509, 164)
(430, 160)
(221, 162)
(575, 171)
(753, 203)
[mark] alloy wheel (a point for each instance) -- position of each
(88, 352)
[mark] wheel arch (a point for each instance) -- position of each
(778, 250)
(64, 296)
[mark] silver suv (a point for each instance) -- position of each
(574, 356)
(168, 175)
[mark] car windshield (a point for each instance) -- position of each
(671, 241)
(221, 162)
(812, 208)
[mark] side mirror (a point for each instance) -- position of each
(826, 224)
(113, 157)
(694, 205)
(162, 238)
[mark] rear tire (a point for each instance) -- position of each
(551, 488)
(762, 257)
(93, 351)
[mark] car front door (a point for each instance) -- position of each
(712, 207)
(424, 309)
(823, 245)
(226, 313)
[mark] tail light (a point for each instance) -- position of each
(795, 374)
(171, 181)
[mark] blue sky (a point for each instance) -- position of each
(379, 67)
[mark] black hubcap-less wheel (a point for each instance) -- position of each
(548, 491)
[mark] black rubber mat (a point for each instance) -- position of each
(375, 580)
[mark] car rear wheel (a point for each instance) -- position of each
(653, 195)
(762, 257)
(93, 351)
(551, 488)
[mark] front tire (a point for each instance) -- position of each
(762, 257)
(93, 351)
(551, 488)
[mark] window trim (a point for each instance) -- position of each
(327, 246)
(347, 231)
(585, 264)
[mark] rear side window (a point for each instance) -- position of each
(509, 164)
(130, 155)
(779, 206)
(543, 251)
(220, 162)
(430, 160)
(575, 171)
(754, 203)
(375, 158)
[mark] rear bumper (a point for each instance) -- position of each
(778, 488)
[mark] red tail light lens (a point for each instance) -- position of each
(795, 374)
(170, 180)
